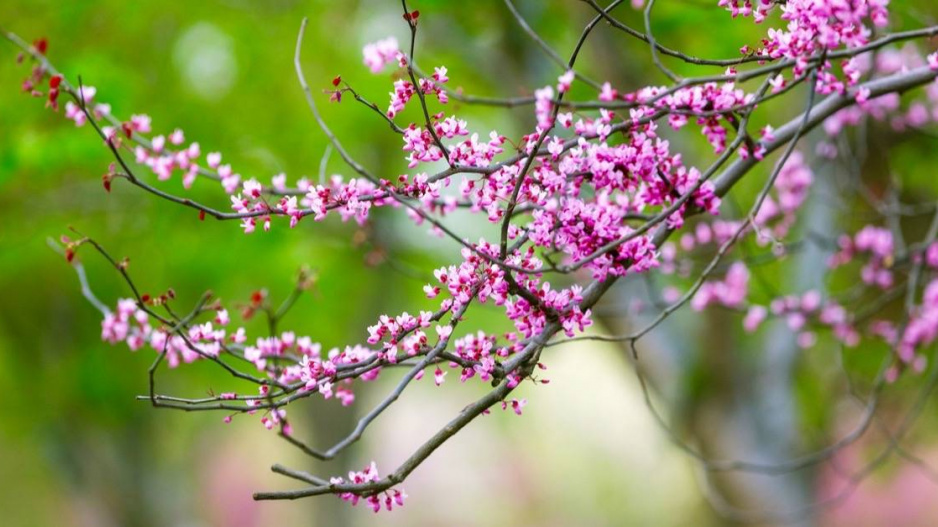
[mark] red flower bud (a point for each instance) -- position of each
(336, 80)
(41, 45)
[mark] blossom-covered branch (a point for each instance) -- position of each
(590, 195)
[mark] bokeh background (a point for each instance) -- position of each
(77, 449)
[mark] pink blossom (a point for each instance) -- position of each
(564, 82)
(754, 317)
(730, 292)
(379, 54)
(607, 93)
(140, 123)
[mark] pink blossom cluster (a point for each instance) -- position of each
(757, 11)
(801, 312)
(420, 143)
(127, 323)
(876, 244)
(531, 319)
(157, 152)
(474, 277)
(402, 333)
(291, 359)
(404, 90)
(352, 199)
(379, 54)
(920, 331)
(166, 154)
(297, 361)
(628, 178)
(163, 161)
(482, 350)
(544, 107)
(814, 27)
(286, 358)
(919, 112)
(729, 292)
(131, 325)
(473, 153)
(709, 102)
(369, 474)
(74, 112)
(515, 404)
(478, 278)
(321, 375)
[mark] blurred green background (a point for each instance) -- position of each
(76, 449)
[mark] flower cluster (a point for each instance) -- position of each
(918, 113)
(379, 54)
(801, 312)
(404, 90)
(813, 28)
(877, 243)
(369, 474)
(131, 325)
(729, 292)
(921, 330)
(288, 359)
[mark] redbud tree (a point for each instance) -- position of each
(596, 193)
